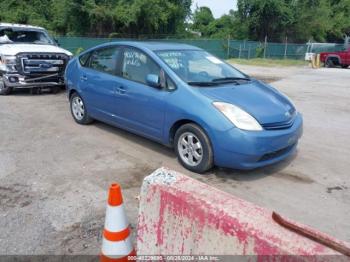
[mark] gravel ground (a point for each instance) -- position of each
(54, 174)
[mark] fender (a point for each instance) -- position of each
(334, 56)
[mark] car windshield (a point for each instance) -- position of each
(11, 35)
(199, 68)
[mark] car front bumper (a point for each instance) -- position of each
(21, 81)
(241, 149)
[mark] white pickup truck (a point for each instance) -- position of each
(30, 58)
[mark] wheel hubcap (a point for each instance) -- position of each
(78, 108)
(190, 149)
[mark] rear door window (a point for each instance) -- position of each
(105, 60)
(83, 59)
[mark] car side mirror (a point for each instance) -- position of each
(153, 80)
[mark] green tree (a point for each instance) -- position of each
(299, 20)
(69, 17)
(100, 17)
(312, 20)
(265, 18)
(340, 20)
(223, 27)
(202, 18)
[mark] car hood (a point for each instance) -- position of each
(263, 102)
(14, 49)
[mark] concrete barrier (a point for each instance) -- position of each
(181, 216)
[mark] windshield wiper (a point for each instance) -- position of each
(230, 79)
(218, 81)
(202, 83)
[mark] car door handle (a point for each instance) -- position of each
(83, 78)
(121, 90)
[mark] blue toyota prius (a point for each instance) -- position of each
(184, 97)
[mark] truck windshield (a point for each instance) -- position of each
(16, 36)
(199, 68)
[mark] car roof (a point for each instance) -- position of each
(2, 25)
(157, 46)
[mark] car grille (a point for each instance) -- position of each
(41, 64)
(283, 124)
(278, 125)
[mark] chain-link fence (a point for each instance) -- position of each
(252, 49)
(221, 48)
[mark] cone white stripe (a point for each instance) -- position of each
(118, 248)
(116, 220)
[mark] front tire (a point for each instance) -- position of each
(4, 90)
(193, 148)
(78, 110)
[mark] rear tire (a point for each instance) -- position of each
(78, 110)
(329, 63)
(4, 90)
(193, 148)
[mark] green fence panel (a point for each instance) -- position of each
(73, 44)
(295, 51)
(243, 49)
(221, 48)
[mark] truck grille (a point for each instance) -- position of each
(41, 64)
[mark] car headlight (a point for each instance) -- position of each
(8, 63)
(240, 118)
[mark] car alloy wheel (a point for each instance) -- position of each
(190, 149)
(78, 108)
(193, 148)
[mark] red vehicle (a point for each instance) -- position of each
(340, 58)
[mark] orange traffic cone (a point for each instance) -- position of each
(116, 242)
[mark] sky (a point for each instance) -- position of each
(218, 7)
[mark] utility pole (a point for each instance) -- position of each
(228, 47)
(285, 47)
(265, 46)
(347, 41)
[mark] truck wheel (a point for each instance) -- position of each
(35, 91)
(55, 89)
(4, 90)
(193, 148)
(329, 63)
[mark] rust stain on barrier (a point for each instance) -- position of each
(317, 237)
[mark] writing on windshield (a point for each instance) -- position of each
(194, 66)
